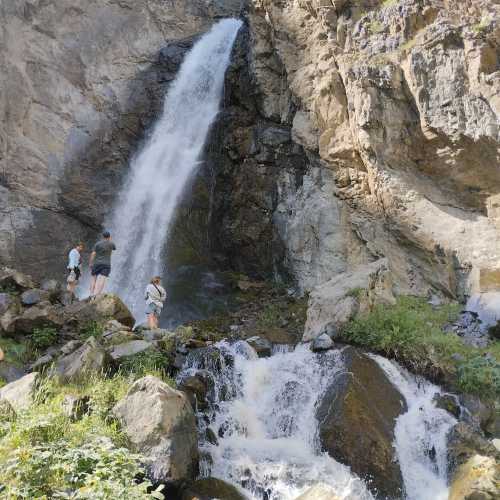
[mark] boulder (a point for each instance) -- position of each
(356, 422)
(10, 372)
(476, 479)
(319, 492)
(75, 407)
(127, 349)
(481, 415)
(115, 338)
(34, 296)
(101, 309)
(41, 362)
(449, 403)
(19, 394)
(336, 302)
(90, 358)
(197, 388)
(209, 488)
(464, 442)
(12, 280)
(160, 424)
(70, 347)
(322, 343)
(52, 286)
(10, 308)
(43, 315)
(262, 346)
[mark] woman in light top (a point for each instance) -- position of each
(74, 267)
(155, 297)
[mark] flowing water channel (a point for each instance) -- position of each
(261, 433)
(162, 169)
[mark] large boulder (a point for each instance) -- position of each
(131, 348)
(12, 280)
(209, 488)
(476, 479)
(88, 359)
(100, 309)
(19, 394)
(160, 424)
(43, 315)
(337, 301)
(356, 423)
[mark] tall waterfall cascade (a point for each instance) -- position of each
(264, 430)
(159, 173)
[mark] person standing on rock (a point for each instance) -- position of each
(100, 263)
(155, 297)
(74, 267)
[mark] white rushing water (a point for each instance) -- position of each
(420, 435)
(265, 433)
(164, 166)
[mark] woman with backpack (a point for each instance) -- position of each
(155, 297)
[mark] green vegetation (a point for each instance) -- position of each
(412, 332)
(269, 317)
(92, 329)
(147, 363)
(355, 292)
(482, 25)
(44, 454)
(388, 3)
(375, 26)
(41, 338)
(17, 353)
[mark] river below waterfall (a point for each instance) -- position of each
(260, 432)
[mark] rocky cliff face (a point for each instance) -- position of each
(398, 103)
(81, 82)
(350, 131)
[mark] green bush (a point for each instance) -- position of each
(41, 338)
(43, 454)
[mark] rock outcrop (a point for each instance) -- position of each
(19, 394)
(160, 423)
(356, 423)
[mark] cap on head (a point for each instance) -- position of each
(106, 234)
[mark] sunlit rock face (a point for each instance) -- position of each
(399, 100)
(81, 83)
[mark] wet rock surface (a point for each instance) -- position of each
(356, 423)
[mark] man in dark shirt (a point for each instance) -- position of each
(100, 263)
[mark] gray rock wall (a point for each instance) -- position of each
(81, 82)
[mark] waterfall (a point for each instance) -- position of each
(260, 432)
(162, 169)
(420, 435)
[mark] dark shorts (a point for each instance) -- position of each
(78, 273)
(101, 270)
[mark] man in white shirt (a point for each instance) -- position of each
(74, 267)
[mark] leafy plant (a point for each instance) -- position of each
(375, 26)
(41, 338)
(480, 374)
(92, 329)
(149, 362)
(270, 317)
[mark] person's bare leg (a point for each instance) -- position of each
(71, 287)
(151, 321)
(93, 281)
(100, 284)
